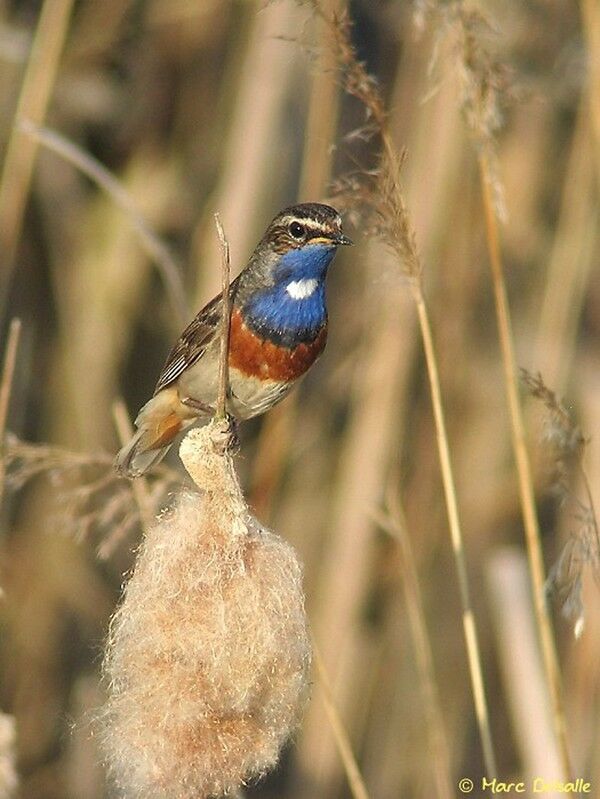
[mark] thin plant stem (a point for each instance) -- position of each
(225, 321)
(8, 372)
(401, 238)
(156, 250)
(353, 775)
(468, 619)
(140, 489)
(34, 97)
(590, 15)
(395, 525)
(525, 479)
(323, 112)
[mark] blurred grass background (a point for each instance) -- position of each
(233, 106)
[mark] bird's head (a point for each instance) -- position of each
(283, 287)
(299, 244)
(305, 225)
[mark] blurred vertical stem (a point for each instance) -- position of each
(590, 13)
(40, 76)
(154, 247)
(468, 618)
(395, 525)
(323, 112)
(358, 83)
(8, 371)
(526, 489)
(458, 548)
(355, 780)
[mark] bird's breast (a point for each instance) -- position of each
(256, 356)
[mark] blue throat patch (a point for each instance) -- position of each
(279, 317)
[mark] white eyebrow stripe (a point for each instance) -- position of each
(301, 289)
(308, 221)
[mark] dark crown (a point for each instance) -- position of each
(300, 224)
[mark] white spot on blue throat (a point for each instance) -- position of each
(301, 289)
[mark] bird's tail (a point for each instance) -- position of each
(157, 424)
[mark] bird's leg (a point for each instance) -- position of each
(229, 440)
(199, 407)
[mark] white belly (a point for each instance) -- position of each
(249, 396)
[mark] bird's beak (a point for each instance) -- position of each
(342, 239)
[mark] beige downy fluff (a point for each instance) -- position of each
(8, 774)
(208, 654)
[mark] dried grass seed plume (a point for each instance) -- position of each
(378, 191)
(208, 655)
(93, 503)
(484, 82)
(582, 550)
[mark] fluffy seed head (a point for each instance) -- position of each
(208, 654)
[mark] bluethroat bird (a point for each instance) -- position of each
(278, 330)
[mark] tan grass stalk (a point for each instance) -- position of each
(395, 525)
(355, 780)
(524, 680)
(8, 371)
(590, 14)
(225, 321)
(36, 90)
(156, 250)
(468, 618)
(395, 228)
(252, 175)
(323, 110)
(483, 82)
(526, 488)
(570, 261)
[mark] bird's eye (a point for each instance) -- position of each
(297, 230)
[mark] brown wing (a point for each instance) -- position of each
(193, 341)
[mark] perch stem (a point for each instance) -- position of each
(225, 321)
(525, 479)
(8, 372)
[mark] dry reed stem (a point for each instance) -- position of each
(570, 261)
(355, 780)
(34, 97)
(225, 321)
(8, 371)
(590, 14)
(383, 364)
(525, 480)
(524, 679)
(395, 228)
(323, 111)
(156, 250)
(251, 173)
(395, 525)
(468, 618)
